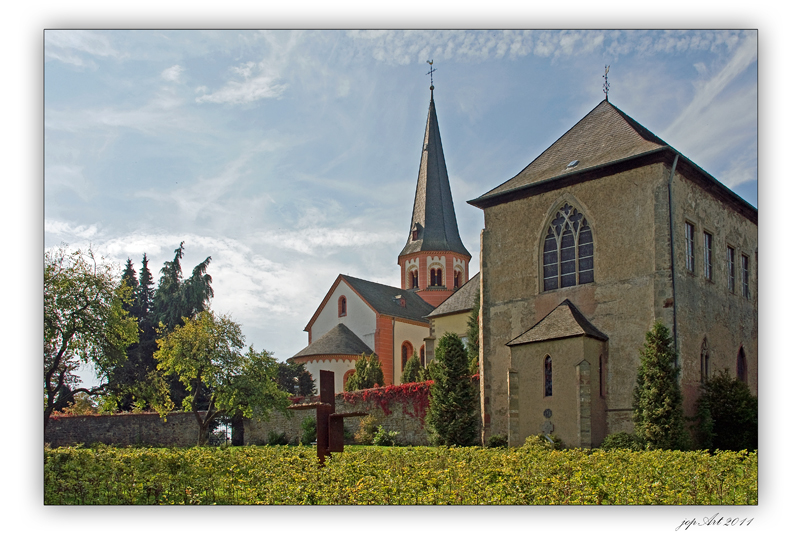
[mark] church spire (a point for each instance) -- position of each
(433, 220)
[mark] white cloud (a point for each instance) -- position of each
(70, 46)
(254, 86)
(172, 73)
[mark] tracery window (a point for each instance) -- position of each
(563, 267)
(548, 376)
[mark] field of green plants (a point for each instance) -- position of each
(290, 475)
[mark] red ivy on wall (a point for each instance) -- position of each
(414, 398)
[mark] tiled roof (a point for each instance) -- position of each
(603, 136)
(383, 299)
(563, 321)
(433, 217)
(461, 300)
(338, 341)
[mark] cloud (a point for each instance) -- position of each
(172, 73)
(69, 46)
(258, 82)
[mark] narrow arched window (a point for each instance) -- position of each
(704, 359)
(456, 280)
(342, 306)
(548, 376)
(405, 352)
(414, 279)
(741, 366)
(568, 256)
(436, 277)
(422, 355)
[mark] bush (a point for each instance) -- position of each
(622, 441)
(368, 374)
(727, 415)
(497, 441)
(384, 438)
(412, 373)
(309, 427)
(541, 441)
(277, 439)
(367, 429)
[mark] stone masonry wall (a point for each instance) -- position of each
(179, 429)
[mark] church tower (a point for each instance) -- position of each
(434, 262)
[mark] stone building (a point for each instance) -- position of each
(609, 230)
(452, 316)
(391, 321)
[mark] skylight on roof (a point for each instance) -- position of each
(573, 164)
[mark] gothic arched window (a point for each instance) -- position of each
(704, 361)
(342, 306)
(548, 376)
(741, 366)
(414, 279)
(568, 257)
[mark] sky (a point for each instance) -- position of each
(290, 157)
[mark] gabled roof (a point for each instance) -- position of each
(382, 299)
(460, 301)
(338, 341)
(562, 322)
(433, 217)
(604, 141)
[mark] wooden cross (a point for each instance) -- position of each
(330, 425)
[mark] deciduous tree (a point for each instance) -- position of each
(85, 321)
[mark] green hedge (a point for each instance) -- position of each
(288, 475)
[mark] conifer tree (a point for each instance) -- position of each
(657, 400)
(452, 413)
(727, 414)
(412, 373)
(368, 374)
(129, 278)
(473, 335)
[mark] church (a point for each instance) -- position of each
(358, 316)
(606, 232)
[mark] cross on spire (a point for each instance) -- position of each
(431, 71)
(605, 82)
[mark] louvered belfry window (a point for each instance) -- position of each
(568, 257)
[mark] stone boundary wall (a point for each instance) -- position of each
(179, 429)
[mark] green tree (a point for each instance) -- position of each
(205, 353)
(412, 373)
(295, 379)
(657, 401)
(727, 414)
(452, 413)
(368, 374)
(473, 335)
(177, 298)
(84, 322)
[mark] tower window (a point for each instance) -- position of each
(689, 247)
(342, 306)
(436, 277)
(456, 279)
(414, 235)
(414, 279)
(548, 376)
(568, 257)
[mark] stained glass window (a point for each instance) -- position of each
(568, 256)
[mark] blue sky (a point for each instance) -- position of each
(291, 156)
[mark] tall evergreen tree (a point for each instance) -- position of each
(129, 278)
(657, 400)
(452, 413)
(367, 375)
(412, 372)
(473, 335)
(293, 374)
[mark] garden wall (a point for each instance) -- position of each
(179, 429)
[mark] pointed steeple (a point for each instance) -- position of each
(433, 221)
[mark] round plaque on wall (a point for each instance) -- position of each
(548, 413)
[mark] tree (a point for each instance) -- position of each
(205, 354)
(412, 373)
(368, 374)
(295, 379)
(84, 322)
(452, 412)
(727, 414)
(473, 335)
(177, 298)
(657, 401)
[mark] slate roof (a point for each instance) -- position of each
(562, 322)
(338, 341)
(433, 216)
(382, 298)
(604, 137)
(461, 300)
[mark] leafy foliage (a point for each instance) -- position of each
(385, 438)
(412, 373)
(368, 374)
(309, 427)
(728, 414)
(295, 379)
(657, 401)
(85, 321)
(452, 414)
(205, 353)
(290, 475)
(622, 441)
(473, 335)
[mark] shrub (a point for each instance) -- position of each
(727, 415)
(384, 438)
(412, 373)
(309, 427)
(622, 441)
(541, 441)
(497, 441)
(367, 429)
(278, 439)
(368, 373)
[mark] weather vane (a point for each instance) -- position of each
(431, 71)
(605, 83)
